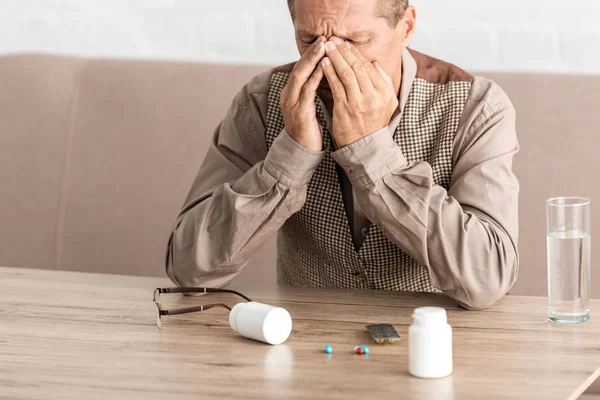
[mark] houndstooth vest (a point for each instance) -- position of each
(315, 246)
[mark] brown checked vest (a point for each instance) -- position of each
(315, 246)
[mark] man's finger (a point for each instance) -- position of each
(305, 67)
(309, 91)
(342, 69)
(338, 89)
(384, 76)
(360, 66)
(313, 48)
(375, 77)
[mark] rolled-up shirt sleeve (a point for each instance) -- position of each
(466, 236)
(241, 196)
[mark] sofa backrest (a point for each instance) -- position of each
(96, 157)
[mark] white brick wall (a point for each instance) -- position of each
(515, 35)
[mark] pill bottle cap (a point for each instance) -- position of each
(429, 316)
(277, 326)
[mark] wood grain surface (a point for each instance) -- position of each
(66, 335)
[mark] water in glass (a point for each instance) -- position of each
(569, 255)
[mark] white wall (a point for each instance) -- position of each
(521, 35)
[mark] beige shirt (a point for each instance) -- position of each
(466, 236)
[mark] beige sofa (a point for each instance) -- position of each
(96, 157)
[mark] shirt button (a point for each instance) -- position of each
(348, 170)
(364, 231)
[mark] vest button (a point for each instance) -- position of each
(364, 231)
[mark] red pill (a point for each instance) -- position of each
(360, 351)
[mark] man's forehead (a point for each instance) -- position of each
(339, 7)
(351, 16)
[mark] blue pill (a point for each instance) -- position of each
(365, 348)
(328, 349)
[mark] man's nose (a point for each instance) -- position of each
(333, 38)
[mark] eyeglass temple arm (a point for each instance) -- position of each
(201, 290)
(188, 310)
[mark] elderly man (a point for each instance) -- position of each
(380, 167)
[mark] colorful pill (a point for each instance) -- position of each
(365, 348)
(359, 350)
(328, 349)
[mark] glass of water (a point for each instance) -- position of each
(569, 255)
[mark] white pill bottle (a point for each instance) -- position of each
(430, 343)
(261, 322)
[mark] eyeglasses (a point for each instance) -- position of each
(162, 312)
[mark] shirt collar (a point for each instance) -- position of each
(409, 73)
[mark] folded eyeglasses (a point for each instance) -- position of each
(160, 311)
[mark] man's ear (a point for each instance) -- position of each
(407, 26)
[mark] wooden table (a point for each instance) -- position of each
(81, 336)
